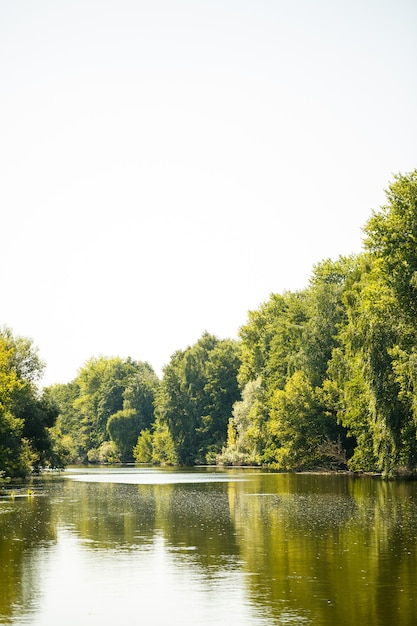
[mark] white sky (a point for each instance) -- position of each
(165, 165)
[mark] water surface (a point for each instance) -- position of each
(158, 546)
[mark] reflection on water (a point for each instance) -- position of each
(152, 476)
(208, 547)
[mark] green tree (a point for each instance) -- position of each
(25, 414)
(391, 239)
(246, 428)
(163, 446)
(101, 383)
(221, 391)
(111, 398)
(272, 340)
(123, 429)
(196, 397)
(143, 451)
(302, 426)
(137, 414)
(379, 339)
(286, 348)
(139, 394)
(326, 314)
(66, 434)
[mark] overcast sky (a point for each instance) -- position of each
(166, 165)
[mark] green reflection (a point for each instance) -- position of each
(197, 517)
(108, 515)
(307, 548)
(331, 549)
(26, 529)
(191, 517)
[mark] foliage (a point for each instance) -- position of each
(100, 383)
(196, 397)
(66, 434)
(301, 423)
(392, 241)
(107, 453)
(110, 399)
(379, 340)
(25, 414)
(287, 417)
(335, 364)
(137, 414)
(323, 377)
(143, 451)
(244, 431)
(163, 446)
(123, 428)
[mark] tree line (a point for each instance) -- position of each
(324, 377)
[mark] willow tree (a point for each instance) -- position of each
(391, 334)
(287, 345)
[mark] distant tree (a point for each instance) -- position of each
(139, 394)
(111, 398)
(25, 413)
(101, 383)
(287, 411)
(378, 343)
(301, 423)
(196, 397)
(245, 440)
(66, 435)
(391, 240)
(137, 413)
(123, 429)
(221, 391)
(163, 446)
(143, 451)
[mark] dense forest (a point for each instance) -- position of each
(321, 378)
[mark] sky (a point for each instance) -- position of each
(166, 165)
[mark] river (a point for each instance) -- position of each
(150, 546)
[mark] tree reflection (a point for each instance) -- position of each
(26, 529)
(328, 548)
(303, 548)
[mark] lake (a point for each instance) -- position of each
(139, 545)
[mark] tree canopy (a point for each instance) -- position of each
(324, 377)
(103, 411)
(335, 364)
(26, 414)
(196, 397)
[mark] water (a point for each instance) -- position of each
(159, 546)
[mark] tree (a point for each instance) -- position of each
(196, 397)
(222, 391)
(286, 348)
(102, 384)
(246, 428)
(123, 430)
(143, 451)
(163, 446)
(326, 314)
(137, 414)
(301, 424)
(272, 340)
(66, 435)
(25, 414)
(111, 398)
(392, 240)
(139, 394)
(379, 339)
